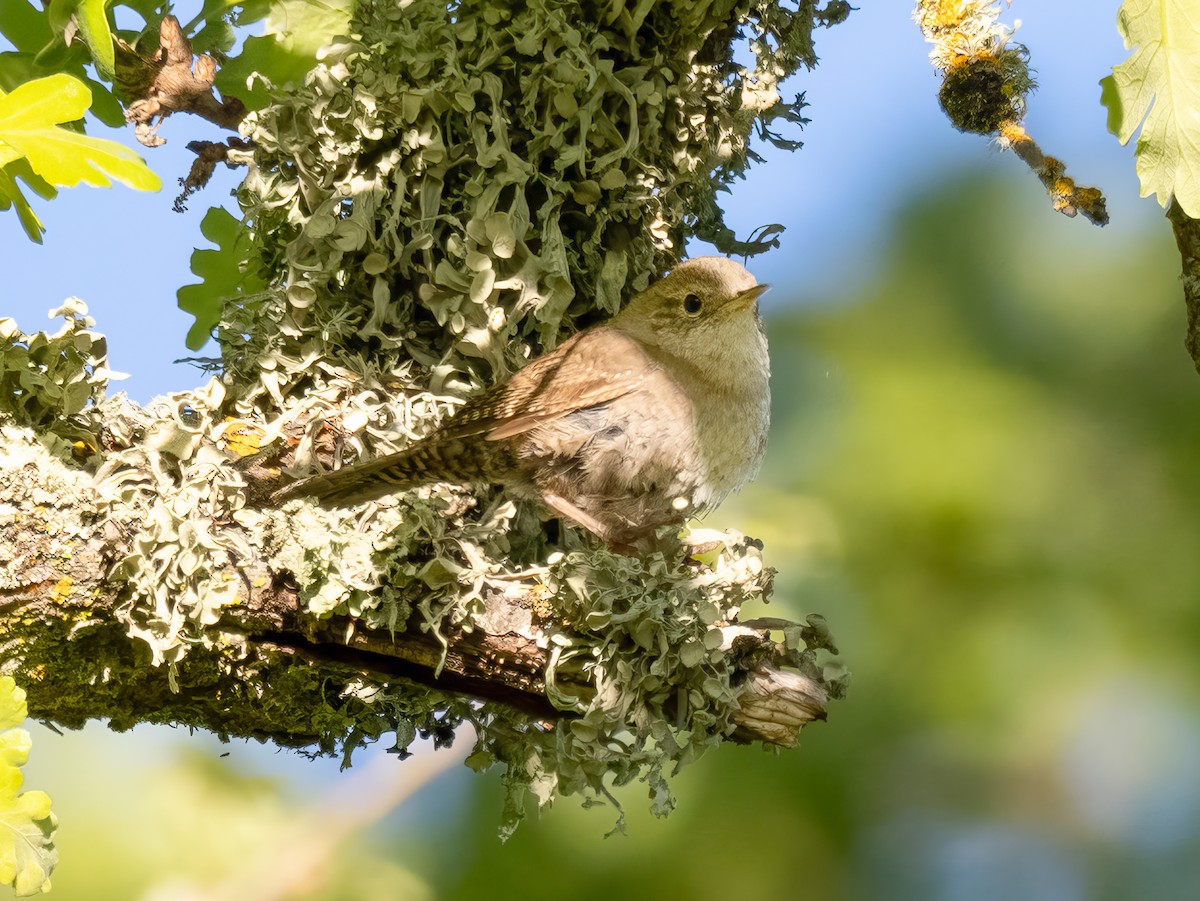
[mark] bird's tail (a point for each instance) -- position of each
(431, 460)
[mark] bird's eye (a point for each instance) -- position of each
(691, 305)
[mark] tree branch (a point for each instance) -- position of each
(171, 81)
(65, 613)
(986, 81)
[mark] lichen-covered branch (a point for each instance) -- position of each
(1066, 196)
(985, 84)
(450, 191)
(138, 583)
(63, 617)
(133, 599)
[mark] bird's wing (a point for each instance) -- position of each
(594, 367)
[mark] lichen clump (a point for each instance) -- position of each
(49, 381)
(986, 76)
(451, 190)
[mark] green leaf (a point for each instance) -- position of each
(92, 18)
(105, 105)
(295, 30)
(151, 11)
(1158, 89)
(14, 746)
(216, 36)
(27, 825)
(307, 25)
(16, 69)
(41, 51)
(29, 127)
(12, 196)
(25, 25)
(224, 273)
(211, 29)
(12, 704)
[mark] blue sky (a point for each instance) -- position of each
(876, 137)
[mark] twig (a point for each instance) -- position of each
(168, 82)
(985, 85)
(1066, 196)
(233, 153)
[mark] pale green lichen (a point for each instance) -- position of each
(51, 381)
(452, 190)
(177, 488)
(650, 685)
(644, 634)
(454, 185)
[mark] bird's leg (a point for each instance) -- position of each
(564, 507)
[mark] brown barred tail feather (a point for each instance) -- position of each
(427, 461)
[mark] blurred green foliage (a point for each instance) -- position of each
(982, 472)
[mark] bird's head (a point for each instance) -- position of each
(705, 311)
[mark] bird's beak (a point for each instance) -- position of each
(748, 297)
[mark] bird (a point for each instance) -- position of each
(644, 420)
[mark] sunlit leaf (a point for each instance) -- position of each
(41, 50)
(12, 196)
(30, 117)
(92, 18)
(295, 30)
(1158, 89)
(27, 825)
(12, 704)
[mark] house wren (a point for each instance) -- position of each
(644, 420)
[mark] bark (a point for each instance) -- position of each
(1187, 239)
